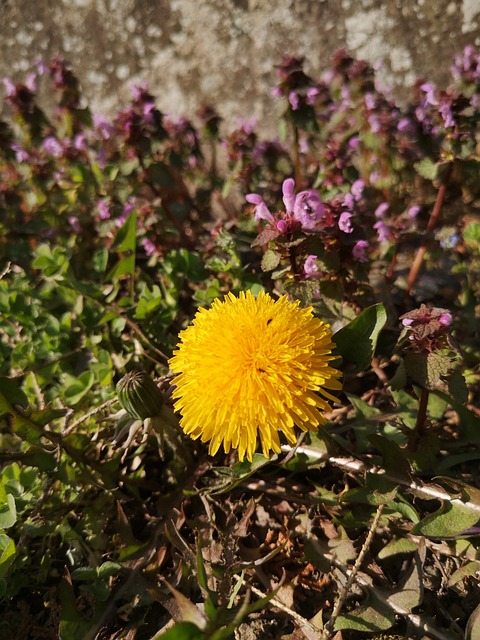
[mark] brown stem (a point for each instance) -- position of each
(419, 256)
(296, 150)
(421, 421)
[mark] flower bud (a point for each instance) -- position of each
(139, 395)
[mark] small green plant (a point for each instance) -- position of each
(351, 254)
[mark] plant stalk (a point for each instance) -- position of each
(421, 251)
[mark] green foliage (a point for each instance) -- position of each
(112, 234)
(357, 341)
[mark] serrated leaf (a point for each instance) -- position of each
(377, 490)
(457, 387)
(426, 168)
(357, 341)
(427, 369)
(265, 237)
(270, 260)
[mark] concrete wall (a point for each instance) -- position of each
(224, 51)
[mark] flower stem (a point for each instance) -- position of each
(421, 251)
(296, 150)
(422, 414)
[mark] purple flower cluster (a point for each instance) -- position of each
(304, 209)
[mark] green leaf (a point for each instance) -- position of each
(8, 512)
(356, 342)
(108, 569)
(7, 553)
(126, 237)
(471, 236)
(374, 615)
(452, 519)
(472, 630)
(12, 395)
(377, 490)
(181, 631)
(457, 387)
(426, 168)
(270, 260)
(427, 369)
(78, 389)
(394, 547)
(468, 570)
(409, 592)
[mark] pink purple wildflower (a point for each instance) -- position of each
(310, 267)
(344, 222)
(261, 210)
(359, 251)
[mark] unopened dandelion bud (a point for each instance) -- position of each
(139, 395)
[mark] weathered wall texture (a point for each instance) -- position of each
(224, 51)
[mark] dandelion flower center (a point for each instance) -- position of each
(253, 367)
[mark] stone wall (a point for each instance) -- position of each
(224, 51)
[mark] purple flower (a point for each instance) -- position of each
(41, 66)
(294, 100)
(10, 87)
(277, 92)
(79, 142)
(312, 94)
(75, 224)
(405, 125)
(31, 82)
(261, 209)
(450, 242)
(354, 142)
(149, 247)
(103, 127)
(129, 206)
(308, 208)
(370, 101)
(348, 201)
(282, 226)
(445, 319)
(383, 231)
(310, 267)
(359, 251)
(407, 322)
(21, 154)
(52, 147)
(344, 223)
(447, 115)
(138, 90)
(103, 208)
(413, 211)
(374, 123)
(357, 189)
(288, 191)
(381, 209)
(430, 93)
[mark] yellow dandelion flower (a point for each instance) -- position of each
(253, 366)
